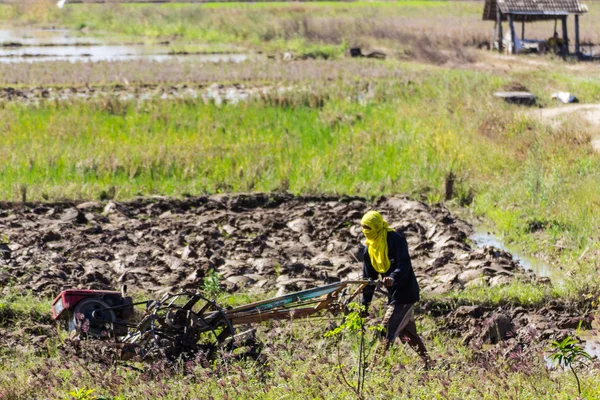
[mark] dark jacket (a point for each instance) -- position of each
(405, 289)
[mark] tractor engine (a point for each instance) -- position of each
(95, 313)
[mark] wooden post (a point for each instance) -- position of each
(513, 40)
(499, 23)
(494, 31)
(565, 35)
(577, 52)
(523, 30)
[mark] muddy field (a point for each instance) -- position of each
(264, 242)
(255, 241)
(215, 92)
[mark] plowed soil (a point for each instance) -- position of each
(254, 241)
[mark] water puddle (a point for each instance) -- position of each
(591, 345)
(483, 237)
(108, 53)
(28, 36)
(39, 45)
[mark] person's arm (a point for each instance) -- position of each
(368, 273)
(399, 253)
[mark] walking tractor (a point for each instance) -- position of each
(182, 324)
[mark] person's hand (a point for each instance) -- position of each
(388, 281)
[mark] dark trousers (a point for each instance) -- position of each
(399, 321)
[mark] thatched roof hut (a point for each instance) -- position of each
(533, 10)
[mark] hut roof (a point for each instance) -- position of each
(532, 10)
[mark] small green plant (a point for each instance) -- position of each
(211, 286)
(82, 394)
(277, 269)
(354, 325)
(568, 353)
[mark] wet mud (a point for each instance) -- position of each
(514, 332)
(208, 93)
(260, 242)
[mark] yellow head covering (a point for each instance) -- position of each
(377, 240)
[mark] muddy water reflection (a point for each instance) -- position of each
(34, 36)
(39, 45)
(107, 53)
(592, 344)
(482, 237)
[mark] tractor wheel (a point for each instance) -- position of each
(91, 318)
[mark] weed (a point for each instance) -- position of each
(108, 194)
(277, 269)
(82, 394)
(568, 353)
(354, 325)
(211, 284)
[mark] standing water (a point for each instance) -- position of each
(39, 45)
(482, 238)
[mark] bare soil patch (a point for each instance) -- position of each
(578, 113)
(214, 92)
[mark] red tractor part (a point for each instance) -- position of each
(93, 312)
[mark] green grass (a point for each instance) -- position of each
(407, 136)
(178, 147)
(524, 294)
(300, 363)
(17, 308)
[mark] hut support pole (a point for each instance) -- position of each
(493, 41)
(577, 51)
(513, 40)
(565, 35)
(499, 25)
(523, 30)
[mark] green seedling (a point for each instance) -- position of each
(355, 326)
(568, 353)
(211, 284)
(82, 394)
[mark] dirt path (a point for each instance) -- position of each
(589, 113)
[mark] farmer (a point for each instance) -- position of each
(386, 254)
